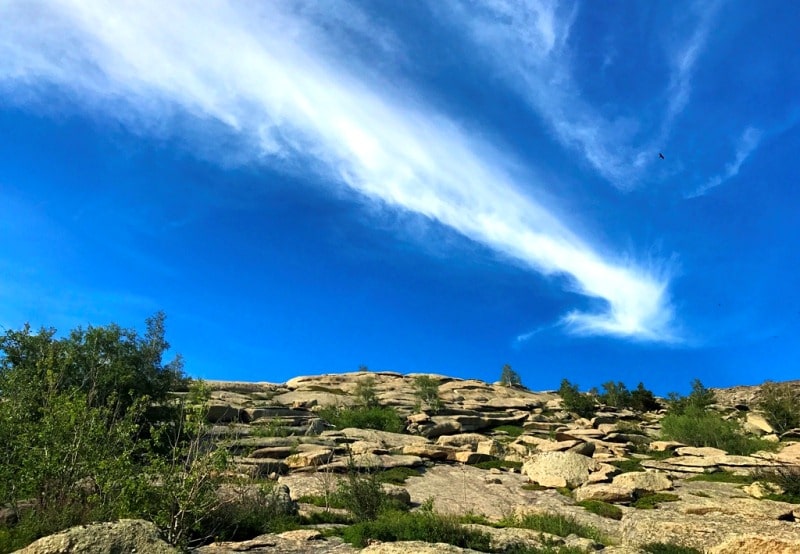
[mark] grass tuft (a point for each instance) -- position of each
(416, 526)
(396, 475)
(602, 508)
(555, 524)
(650, 501)
(510, 430)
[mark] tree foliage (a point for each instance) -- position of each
(617, 395)
(426, 389)
(780, 403)
(509, 377)
(82, 443)
(699, 399)
(112, 366)
(576, 401)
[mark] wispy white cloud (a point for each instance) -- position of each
(522, 338)
(748, 142)
(682, 64)
(527, 41)
(273, 79)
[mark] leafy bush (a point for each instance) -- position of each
(426, 389)
(780, 403)
(575, 401)
(421, 525)
(669, 548)
(602, 508)
(696, 427)
(250, 512)
(113, 367)
(509, 377)
(82, 442)
(379, 418)
(787, 478)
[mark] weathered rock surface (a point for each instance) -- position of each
(417, 547)
(559, 469)
(757, 543)
(126, 535)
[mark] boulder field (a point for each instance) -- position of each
(493, 452)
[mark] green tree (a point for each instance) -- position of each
(509, 377)
(110, 365)
(643, 399)
(699, 399)
(365, 392)
(616, 395)
(426, 389)
(575, 401)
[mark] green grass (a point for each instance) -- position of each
(475, 518)
(602, 508)
(396, 475)
(668, 548)
(511, 430)
(564, 491)
(498, 464)
(651, 500)
(660, 454)
(333, 501)
(723, 477)
(415, 526)
(626, 466)
(555, 524)
(272, 428)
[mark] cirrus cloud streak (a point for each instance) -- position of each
(271, 78)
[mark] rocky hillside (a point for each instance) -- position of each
(502, 459)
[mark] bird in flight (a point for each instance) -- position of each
(660, 155)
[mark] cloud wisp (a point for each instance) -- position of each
(748, 142)
(272, 79)
(527, 42)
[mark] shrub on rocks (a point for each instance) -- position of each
(379, 418)
(697, 427)
(426, 389)
(780, 403)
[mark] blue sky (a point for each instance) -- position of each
(443, 186)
